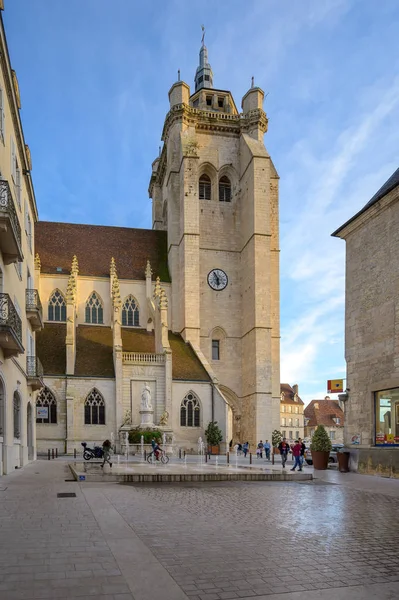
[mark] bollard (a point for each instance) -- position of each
(179, 452)
(74, 452)
(228, 457)
(52, 452)
(145, 454)
(56, 453)
(250, 458)
(48, 454)
(273, 457)
(206, 457)
(184, 454)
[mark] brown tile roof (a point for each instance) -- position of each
(185, 364)
(288, 394)
(94, 351)
(50, 348)
(95, 245)
(321, 412)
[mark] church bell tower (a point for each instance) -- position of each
(214, 189)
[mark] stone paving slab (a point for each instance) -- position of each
(203, 541)
(172, 473)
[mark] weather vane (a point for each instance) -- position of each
(203, 34)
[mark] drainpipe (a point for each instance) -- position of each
(213, 402)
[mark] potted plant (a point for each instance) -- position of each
(214, 436)
(276, 439)
(320, 448)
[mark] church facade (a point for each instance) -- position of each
(189, 309)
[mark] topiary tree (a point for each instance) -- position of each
(213, 434)
(277, 436)
(320, 440)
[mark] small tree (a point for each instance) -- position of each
(276, 438)
(320, 440)
(213, 434)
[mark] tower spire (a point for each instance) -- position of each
(203, 75)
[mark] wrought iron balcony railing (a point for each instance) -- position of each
(34, 367)
(33, 300)
(9, 317)
(7, 206)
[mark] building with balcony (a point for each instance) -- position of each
(20, 308)
(291, 412)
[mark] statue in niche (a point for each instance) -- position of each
(146, 398)
(127, 419)
(164, 418)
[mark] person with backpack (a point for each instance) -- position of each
(245, 449)
(284, 450)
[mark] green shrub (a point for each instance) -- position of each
(320, 440)
(213, 434)
(276, 438)
(148, 434)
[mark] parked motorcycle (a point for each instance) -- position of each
(89, 453)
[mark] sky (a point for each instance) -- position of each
(94, 77)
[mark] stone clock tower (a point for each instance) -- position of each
(214, 189)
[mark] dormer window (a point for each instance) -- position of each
(337, 420)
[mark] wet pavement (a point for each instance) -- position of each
(205, 541)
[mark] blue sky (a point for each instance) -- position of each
(94, 77)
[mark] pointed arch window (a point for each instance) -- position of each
(57, 307)
(94, 409)
(46, 399)
(94, 312)
(224, 189)
(190, 411)
(205, 187)
(130, 312)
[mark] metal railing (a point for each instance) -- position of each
(34, 367)
(33, 300)
(140, 357)
(7, 206)
(9, 316)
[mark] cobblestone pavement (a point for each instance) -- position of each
(198, 541)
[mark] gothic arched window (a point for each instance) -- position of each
(204, 187)
(94, 310)
(190, 411)
(46, 399)
(94, 409)
(224, 189)
(130, 312)
(57, 307)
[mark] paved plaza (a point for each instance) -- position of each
(331, 538)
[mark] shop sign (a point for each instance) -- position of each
(380, 439)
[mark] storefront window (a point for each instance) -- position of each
(387, 418)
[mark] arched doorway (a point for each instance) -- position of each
(233, 420)
(29, 421)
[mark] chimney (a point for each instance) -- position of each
(295, 388)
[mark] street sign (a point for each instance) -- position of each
(335, 386)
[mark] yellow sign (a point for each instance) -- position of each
(335, 386)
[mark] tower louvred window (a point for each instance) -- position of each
(204, 188)
(224, 189)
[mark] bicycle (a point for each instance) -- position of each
(163, 458)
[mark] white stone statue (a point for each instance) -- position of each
(146, 398)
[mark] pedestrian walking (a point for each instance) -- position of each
(245, 449)
(107, 453)
(266, 447)
(284, 449)
(259, 450)
(296, 451)
(303, 450)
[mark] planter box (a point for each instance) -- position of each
(213, 450)
(320, 460)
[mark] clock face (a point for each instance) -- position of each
(217, 279)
